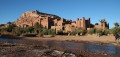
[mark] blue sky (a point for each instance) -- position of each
(10, 10)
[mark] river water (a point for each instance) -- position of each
(90, 47)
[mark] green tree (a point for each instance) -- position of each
(9, 22)
(116, 24)
(102, 20)
(116, 33)
(116, 29)
(31, 29)
(107, 31)
(37, 26)
(10, 26)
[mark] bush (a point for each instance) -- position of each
(83, 31)
(41, 34)
(51, 32)
(17, 31)
(91, 31)
(30, 35)
(116, 30)
(107, 31)
(31, 29)
(74, 32)
(3, 30)
(99, 32)
(60, 32)
(45, 31)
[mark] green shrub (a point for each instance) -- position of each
(31, 29)
(107, 31)
(99, 32)
(16, 30)
(60, 32)
(83, 31)
(116, 30)
(30, 35)
(41, 34)
(45, 31)
(3, 29)
(74, 32)
(91, 31)
(51, 32)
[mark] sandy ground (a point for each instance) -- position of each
(103, 39)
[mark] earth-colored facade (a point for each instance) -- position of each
(52, 22)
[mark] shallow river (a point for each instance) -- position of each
(90, 47)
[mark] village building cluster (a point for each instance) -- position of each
(48, 21)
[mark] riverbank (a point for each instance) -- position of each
(88, 38)
(95, 39)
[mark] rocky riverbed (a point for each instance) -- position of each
(12, 47)
(15, 50)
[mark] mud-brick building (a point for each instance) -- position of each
(83, 23)
(103, 25)
(51, 21)
(31, 18)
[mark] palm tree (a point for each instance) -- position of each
(116, 24)
(9, 22)
(102, 20)
(96, 24)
